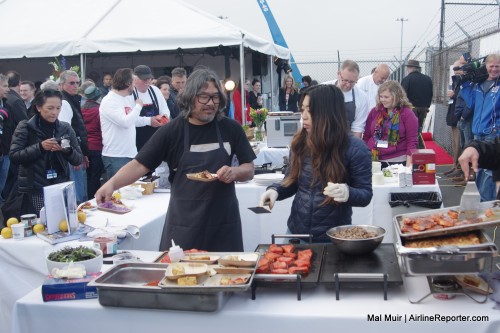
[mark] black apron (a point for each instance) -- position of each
(148, 110)
(202, 215)
(350, 108)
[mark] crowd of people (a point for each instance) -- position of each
(105, 135)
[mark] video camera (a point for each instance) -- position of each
(282, 65)
(474, 70)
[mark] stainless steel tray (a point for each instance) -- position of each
(125, 285)
(447, 260)
(489, 222)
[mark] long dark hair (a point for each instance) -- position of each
(327, 141)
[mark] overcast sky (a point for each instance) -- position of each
(358, 29)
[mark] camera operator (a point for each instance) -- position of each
(481, 93)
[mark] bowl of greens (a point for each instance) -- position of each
(89, 257)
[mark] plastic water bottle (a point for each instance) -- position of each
(175, 253)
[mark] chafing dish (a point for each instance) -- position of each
(143, 285)
(491, 221)
(446, 260)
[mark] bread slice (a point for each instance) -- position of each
(187, 281)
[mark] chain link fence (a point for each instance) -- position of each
(464, 26)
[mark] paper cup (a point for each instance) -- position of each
(376, 167)
(17, 231)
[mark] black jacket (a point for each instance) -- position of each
(26, 151)
(307, 216)
(293, 100)
(16, 115)
(77, 121)
(418, 88)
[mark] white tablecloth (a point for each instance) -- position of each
(23, 262)
(271, 155)
(274, 310)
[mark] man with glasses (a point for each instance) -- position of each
(201, 214)
(69, 83)
(418, 88)
(356, 101)
(370, 83)
(154, 108)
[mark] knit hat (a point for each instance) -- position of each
(92, 93)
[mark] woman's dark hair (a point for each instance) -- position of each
(122, 79)
(327, 141)
(255, 81)
(41, 97)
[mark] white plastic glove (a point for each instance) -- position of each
(268, 198)
(339, 192)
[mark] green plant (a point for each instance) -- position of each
(59, 66)
(73, 254)
(258, 116)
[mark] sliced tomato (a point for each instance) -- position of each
(298, 270)
(302, 263)
(263, 269)
(194, 251)
(286, 260)
(271, 256)
(305, 254)
(279, 264)
(275, 249)
(279, 271)
(290, 255)
(288, 248)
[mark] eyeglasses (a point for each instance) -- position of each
(204, 99)
(74, 82)
(347, 81)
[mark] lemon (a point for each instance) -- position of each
(63, 225)
(6, 233)
(82, 217)
(12, 221)
(117, 195)
(38, 228)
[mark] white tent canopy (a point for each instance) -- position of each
(49, 28)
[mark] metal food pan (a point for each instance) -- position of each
(125, 286)
(489, 222)
(447, 260)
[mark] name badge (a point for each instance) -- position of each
(494, 89)
(51, 174)
(382, 144)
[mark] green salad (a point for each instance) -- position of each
(73, 254)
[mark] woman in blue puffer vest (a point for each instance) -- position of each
(330, 169)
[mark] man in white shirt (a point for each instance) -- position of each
(119, 114)
(356, 102)
(155, 112)
(370, 83)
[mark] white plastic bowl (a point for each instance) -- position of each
(91, 265)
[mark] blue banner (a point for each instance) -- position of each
(278, 37)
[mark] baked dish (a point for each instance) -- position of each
(459, 240)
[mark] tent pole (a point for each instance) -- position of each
(242, 83)
(82, 67)
(270, 66)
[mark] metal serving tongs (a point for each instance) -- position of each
(469, 203)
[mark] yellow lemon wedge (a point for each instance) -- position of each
(117, 195)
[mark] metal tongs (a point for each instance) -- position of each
(469, 203)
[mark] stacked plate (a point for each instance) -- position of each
(266, 179)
